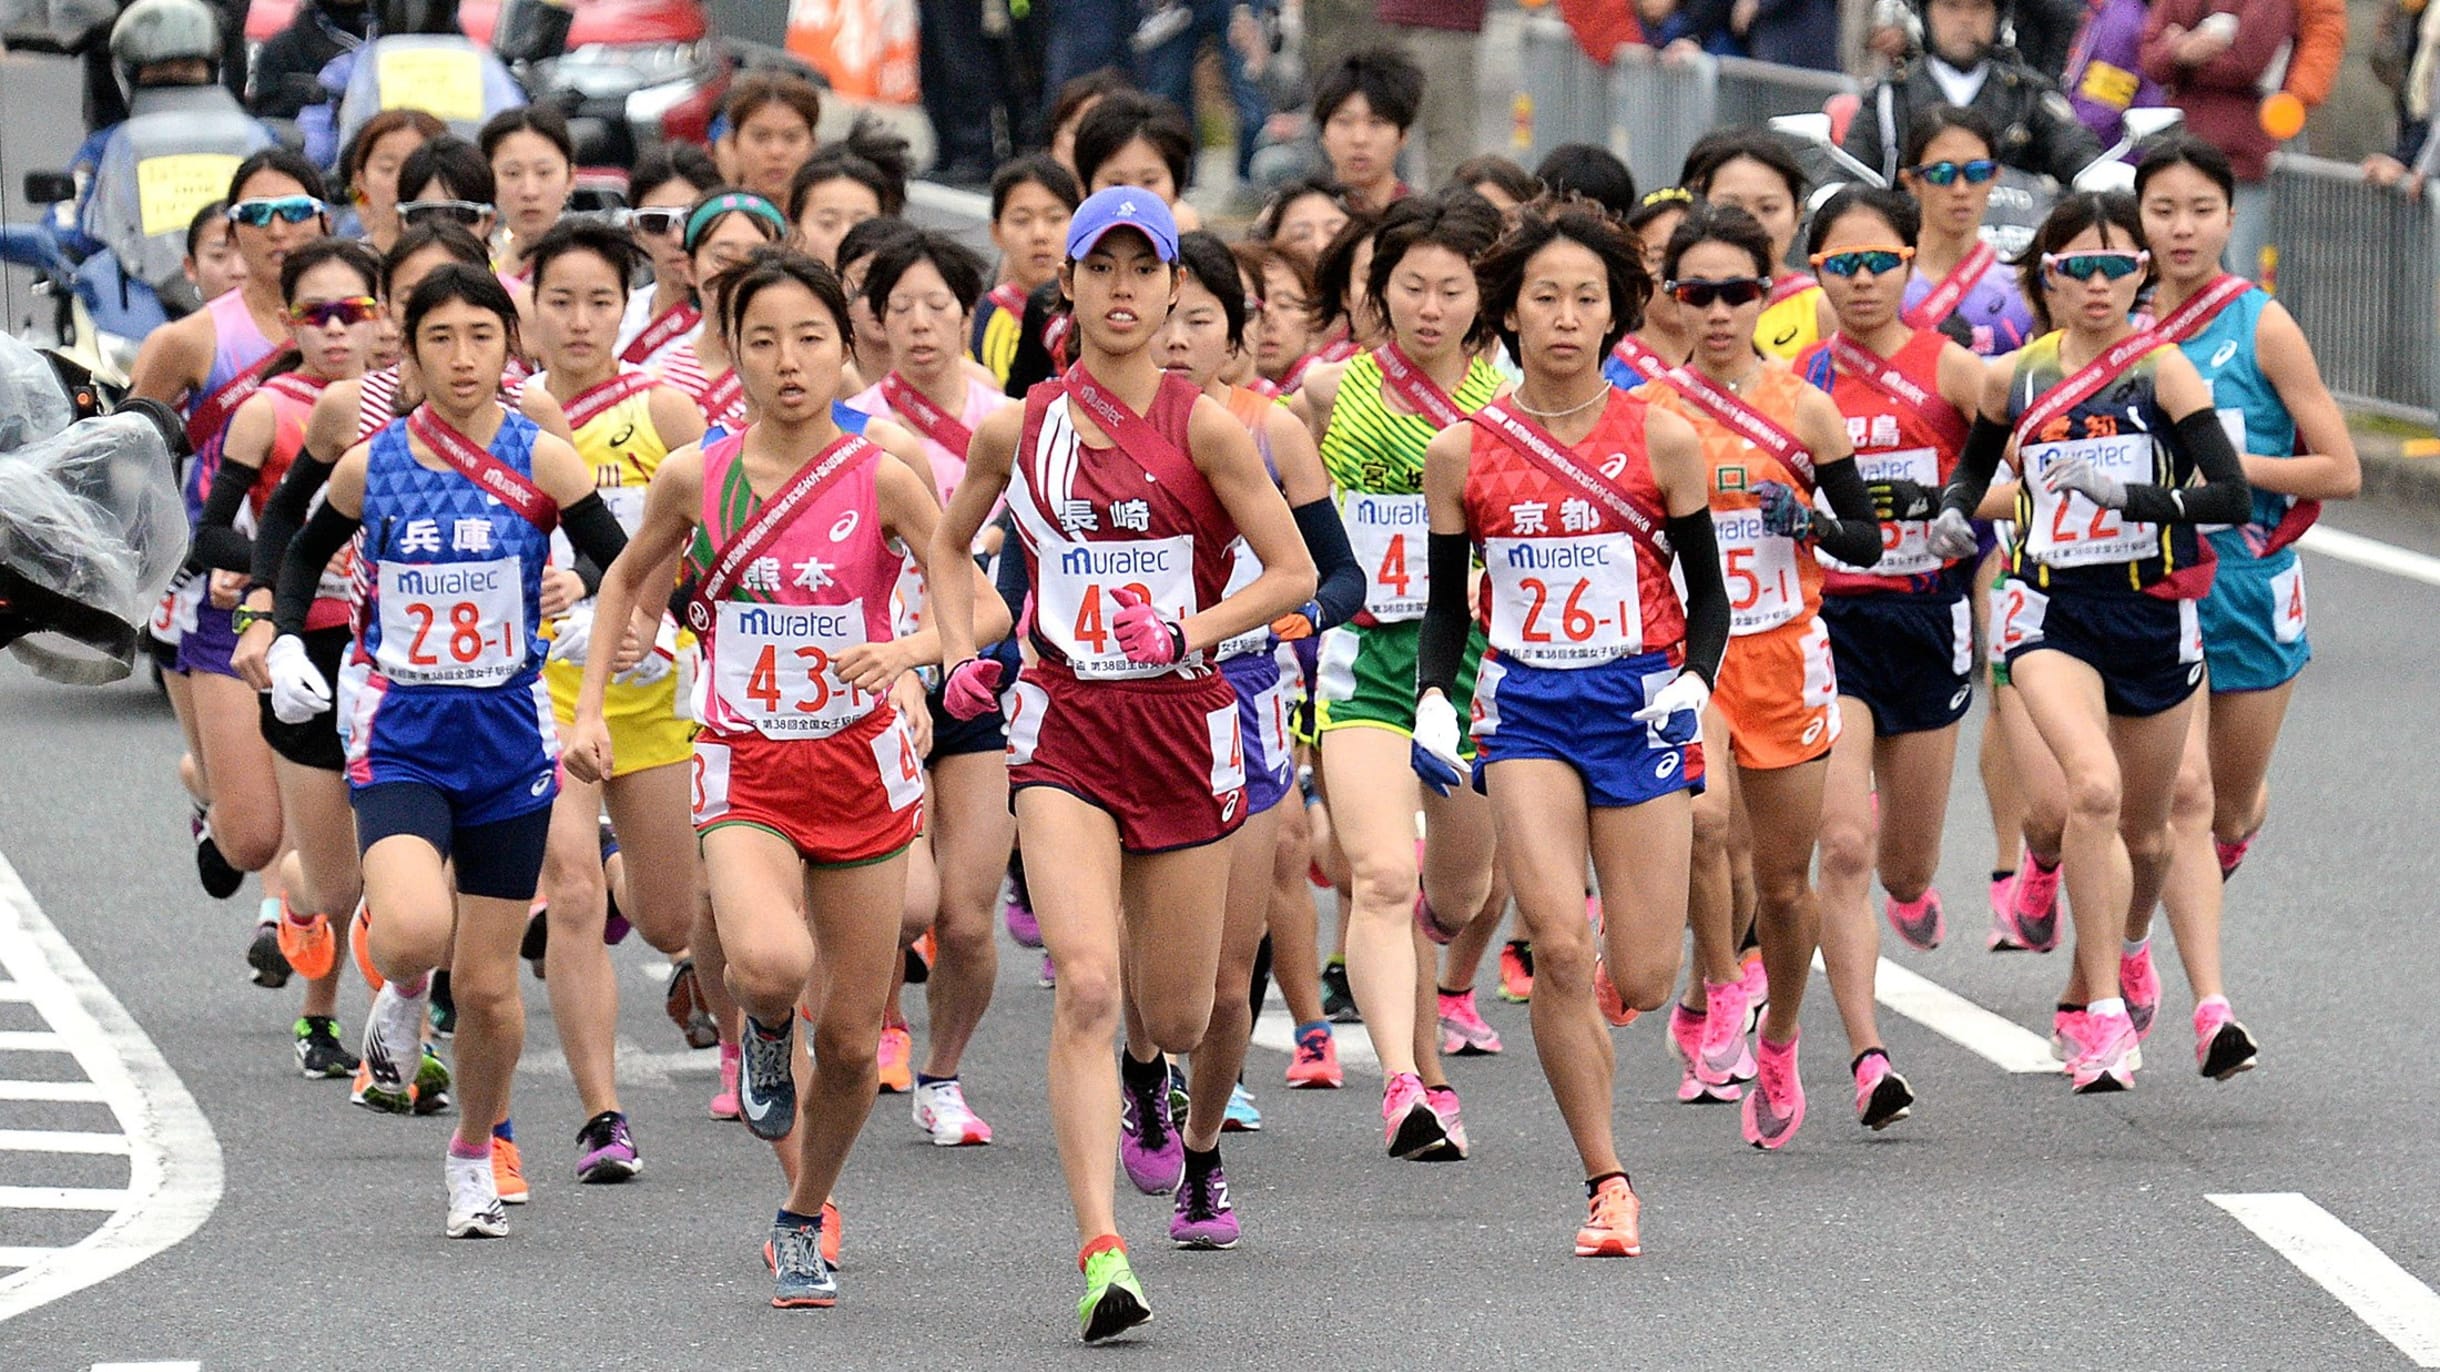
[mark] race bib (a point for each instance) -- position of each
(711, 778)
(773, 667)
(452, 623)
(1271, 710)
(2017, 619)
(1905, 544)
(1388, 533)
(1228, 750)
(1078, 610)
(2287, 604)
(2069, 530)
(900, 766)
(1564, 602)
(1243, 568)
(1760, 569)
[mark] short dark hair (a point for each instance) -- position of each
(1256, 259)
(1081, 91)
(756, 89)
(1266, 224)
(2186, 150)
(1335, 268)
(1208, 260)
(287, 162)
(773, 266)
(1388, 79)
(1519, 184)
(574, 235)
(1501, 272)
(1594, 173)
(215, 213)
(345, 251)
(1894, 208)
(541, 120)
(668, 162)
(1037, 169)
(1720, 147)
(959, 267)
(2072, 215)
(1126, 115)
(1932, 121)
(1452, 217)
(474, 285)
(462, 169)
(446, 234)
(870, 155)
(868, 237)
(1709, 223)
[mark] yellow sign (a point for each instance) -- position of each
(169, 190)
(445, 82)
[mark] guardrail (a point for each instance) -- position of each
(1660, 107)
(1562, 96)
(2359, 267)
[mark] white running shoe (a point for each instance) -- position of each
(391, 1051)
(475, 1210)
(941, 1111)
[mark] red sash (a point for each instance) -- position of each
(668, 325)
(1538, 446)
(929, 419)
(1752, 425)
(1788, 287)
(2087, 382)
(1337, 350)
(1147, 445)
(473, 462)
(593, 401)
(768, 523)
(1641, 360)
(1933, 309)
(1411, 384)
(1900, 389)
(2191, 318)
(210, 415)
(1010, 297)
(298, 386)
(724, 399)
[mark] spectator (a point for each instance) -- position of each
(2402, 58)
(1441, 36)
(2045, 31)
(1793, 33)
(2214, 57)
(1172, 36)
(2321, 44)
(960, 76)
(1364, 108)
(1086, 37)
(2105, 71)
(2037, 128)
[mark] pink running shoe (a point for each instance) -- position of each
(2030, 923)
(1314, 1066)
(1775, 1108)
(1409, 1126)
(2108, 1060)
(1463, 1033)
(1686, 1045)
(1756, 980)
(724, 1100)
(2222, 1047)
(2140, 984)
(2068, 1035)
(2231, 855)
(1725, 1059)
(1882, 1097)
(1443, 1100)
(1920, 921)
(2003, 890)
(1022, 926)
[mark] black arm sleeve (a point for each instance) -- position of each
(1698, 553)
(1851, 532)
(1032, 361)
(1016, 573)
(595, 534)
(218, 544)
(1441, 650)
(588, 572)
(1986, 444)
(1340, 591)
(2223, 498)
(301, 567)
(284, 514)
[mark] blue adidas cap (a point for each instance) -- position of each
(1123, 207)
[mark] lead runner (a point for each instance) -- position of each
(1125, 752)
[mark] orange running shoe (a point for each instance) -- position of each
(508, 1171)
(920, 955)
(311, 948)
(1613, 1226)
(1614, 1007)
(897, 1059)
(360, 941)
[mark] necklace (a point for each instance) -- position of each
(1596, 398)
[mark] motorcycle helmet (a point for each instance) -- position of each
(154, 31)
(2002, 28)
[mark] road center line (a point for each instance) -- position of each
(2371, 552)
(2347, 1265)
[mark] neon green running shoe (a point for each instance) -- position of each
(1113, 1303)
(431, 1084)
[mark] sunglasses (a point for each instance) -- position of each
(1872, 261)
(2084, 266)
(657, 221)
(1976, 172)
(321, 314)
(466, 212)
(1699, 293)
(288, 209)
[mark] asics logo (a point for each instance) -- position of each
(2226, 350)
(1958, 701)
(845, 526)
(541, 783)
(1667, 767)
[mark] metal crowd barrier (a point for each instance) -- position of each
(1561, 95)
(1659, 109)
(1751, 92)
(2359, 267)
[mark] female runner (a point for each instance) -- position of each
(1901, 635)
(1375, 413)
(2297, 452)
(721, 229)
(806, 696)
(1770, 442)
(369, 170)
(1663, 339)
(450, 751)
(1125, 748)
(329, 285)
(1754, 171)
(665, 184)
(2098, 618)
(1590, 696)
(626, 422)
(1032, 199)
(863, 176)
(533, 170)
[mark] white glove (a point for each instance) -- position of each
(2081, 476)
(1436, 757)
(1951, 535)
(298, 692)
(574, 635)
(1675, 711)
(656, 663)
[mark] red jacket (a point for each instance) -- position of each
(2222, 98)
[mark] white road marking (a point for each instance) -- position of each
(174, 1172)
(12, 992)
(24, 1257)
(61, 1197)
(2347, 1265)
(189, 1366)
(2003, 1042)
(638, 1066)
(2371, 552)
(32, 1041)
(62, 1141)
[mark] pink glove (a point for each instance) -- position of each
(1148, 638)
(973, 688)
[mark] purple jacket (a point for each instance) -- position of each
(2104, 70)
